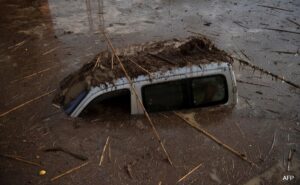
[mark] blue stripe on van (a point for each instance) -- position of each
(73, 104)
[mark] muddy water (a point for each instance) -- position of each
(43, 41)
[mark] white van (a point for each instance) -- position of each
(201, 84)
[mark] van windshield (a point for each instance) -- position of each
(186, 93)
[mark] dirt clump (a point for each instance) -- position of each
(152, 56)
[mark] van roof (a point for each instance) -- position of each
(140, 59)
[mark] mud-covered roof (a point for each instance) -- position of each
(140, 60)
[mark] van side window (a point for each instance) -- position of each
(110, 102)
(164, 96)
(209, 90)
(186, 93)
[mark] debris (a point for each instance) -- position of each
(273, 111)
(207, 24)
(272, 7)
(42, 172)
(140, 101)
(103, 151)
(297, 129)
(18, 44)
(197, 127)
(272, 145)
(33, 74)
(50, 51)
(60, 149)
(69, 171)
(189, 173)
(293, 21)
(287, 52)
(129, 170)
(140, 67)
(26, 103)
(250, 83)
(239, 24)
(258, 92)
(280, 30)
(267, 72)
(290, 157)
(17, 158)
(97, 63)
(162, 58)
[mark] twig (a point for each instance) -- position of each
(69, 171)
(129, 170)
(189, 173)
(197, 127)
(273, 143)
(297, 129)
(280, 30)
(145, 70)
(103, 151)
(290, 157)
(56, 149)
(33, 74)
(18, 44)
(250, 83)
(267, 72)
(286, 52)
(139, 100)
(112, 62)
(293, 21)
(97, 63)
(26, 103)
(239, 24)
(272, 7)
(20, 159)
(50, 51)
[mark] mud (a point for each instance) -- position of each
(29, 29)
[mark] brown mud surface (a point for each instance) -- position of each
(43, 41)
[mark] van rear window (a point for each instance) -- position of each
(185, 93)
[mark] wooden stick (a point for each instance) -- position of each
(20, 159)
(145, 70)
(26, 103)
(189, 173)
(50, 51)
(18, 44)
(197, 127)
(103, 151)
(267, 72)
(250, 83)
(139, 100)
(272, 7)
(293, 21)
(69, 171)
(112, 61)
(97, 63)
(280, 30)
(33, 74)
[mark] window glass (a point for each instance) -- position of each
(164, 96)
(209, 90)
